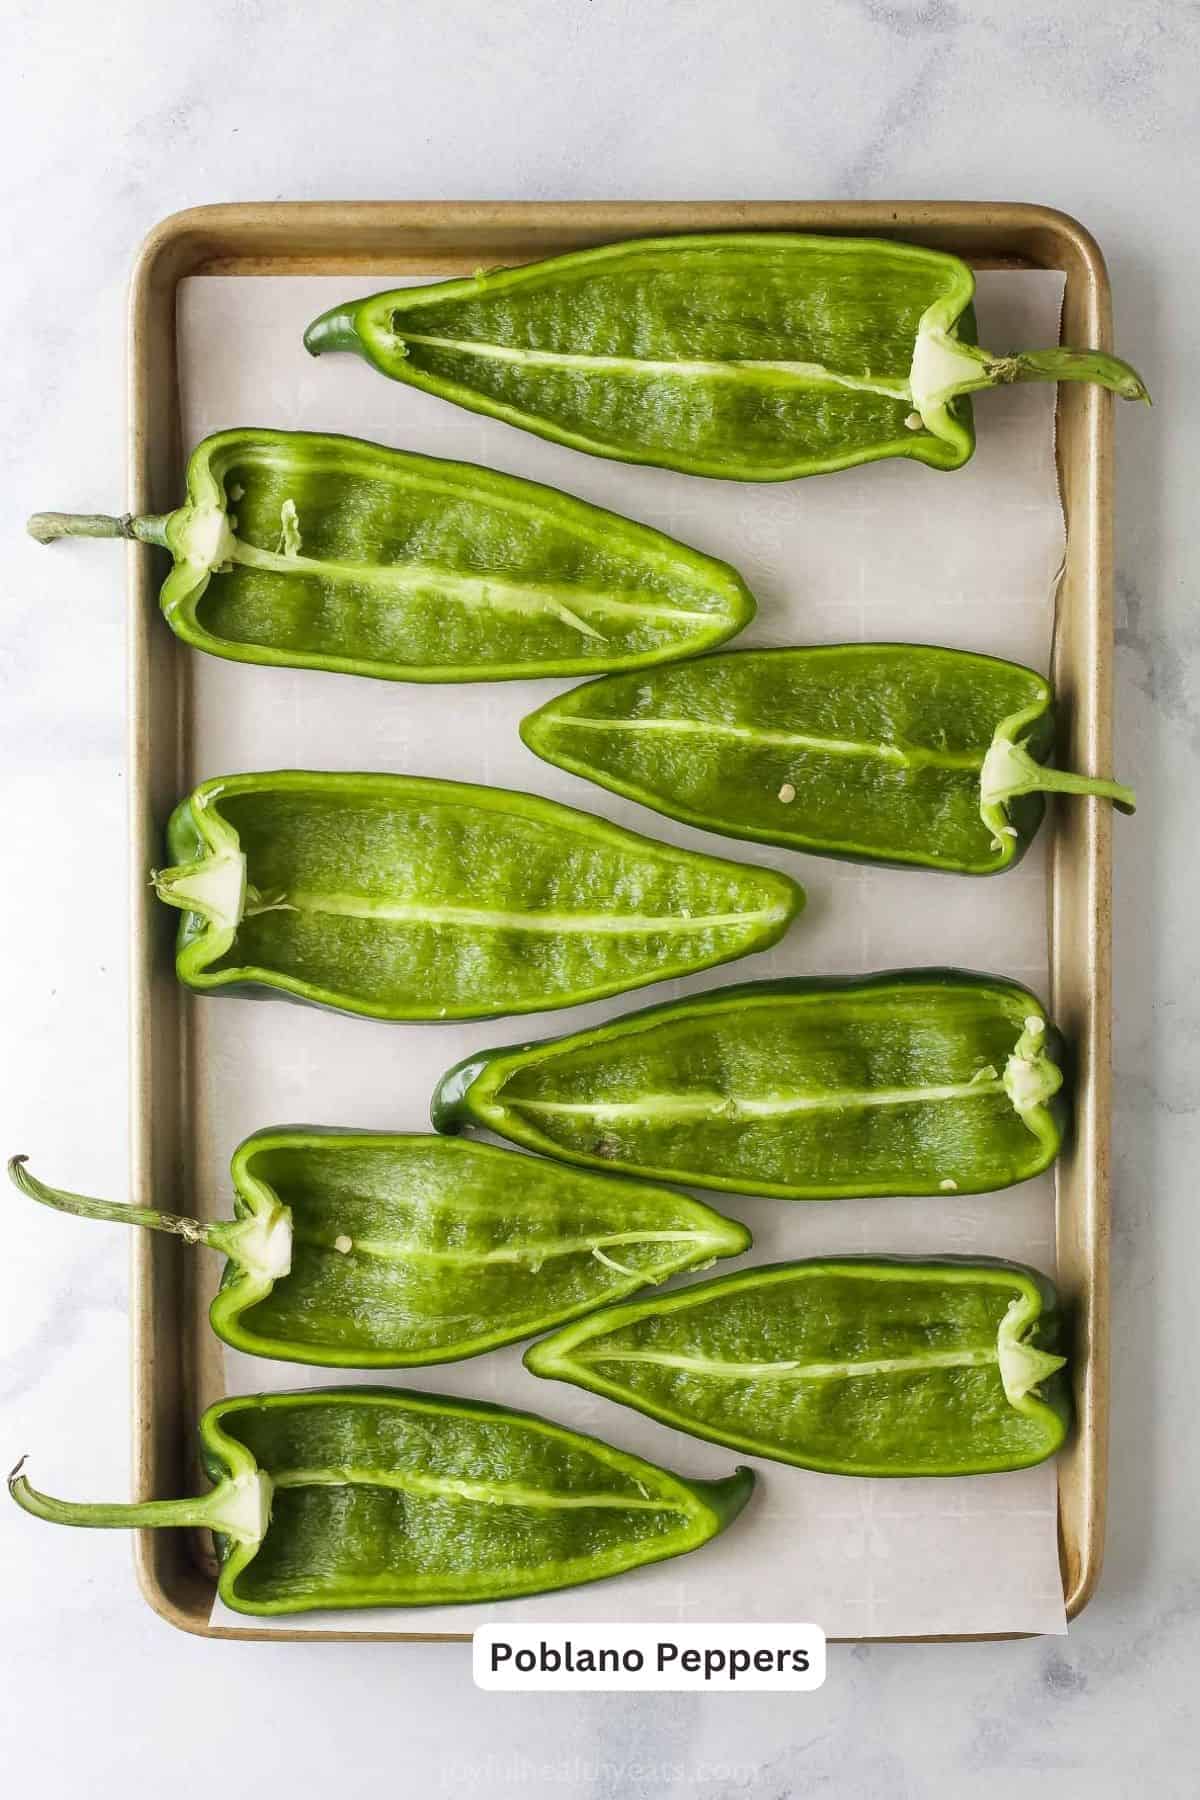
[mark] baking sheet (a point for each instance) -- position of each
(890, 551)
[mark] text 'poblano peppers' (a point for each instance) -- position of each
(349, 1497)
(922, 1081)
(852, 1365)
(901, 753)
(399, 897)
(368, 1251)
(327, 553)
(756, 356)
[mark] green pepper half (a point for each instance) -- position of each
(900, 753)
(327, 553)
(368, 1251)
(919, 1081)
(350, 1497)
(399, 897)
(852, 1365)
(755, 356)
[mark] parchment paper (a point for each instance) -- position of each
(889, 551)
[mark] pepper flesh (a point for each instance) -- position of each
(398, 897)
(754, 356)
(355, 1497)
(900, 753)
(917, 1081)
(369, 1251)
(322, 552)
(851, 1365)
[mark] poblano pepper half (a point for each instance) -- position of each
(367, 1251)
(920, 1081)
(399, 897)
(900, 753)
(349, 1497)
(326, 553)
(755, 356)
(853, 1365)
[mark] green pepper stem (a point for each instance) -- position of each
(1062, 781)
(1031, 1079)
(149, 528)
(260, 1242)
(1022, 1364)
(1009, 770)
(122, 1212)
(1062, 364)
(214, 886)
(943, 367)
(239, 1506)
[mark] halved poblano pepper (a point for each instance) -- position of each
(327, 553)
(755, 356)
(375, 1496)
(900, 753)
(399, 897)
(919, 1081)
(367, 1251)
(853, 1365)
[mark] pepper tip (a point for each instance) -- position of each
(333, 330)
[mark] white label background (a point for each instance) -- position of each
(714, 1645)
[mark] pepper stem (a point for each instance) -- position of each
(1062, 364)
(1022, 1364)
(239, 1507)
(1027, 776)
(1031, 1078)
(943, 366)
(213, 886)
(122, 1212)
(149, 528)
(260, 1242)
(1009, 770)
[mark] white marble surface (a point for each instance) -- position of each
(112, 117)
